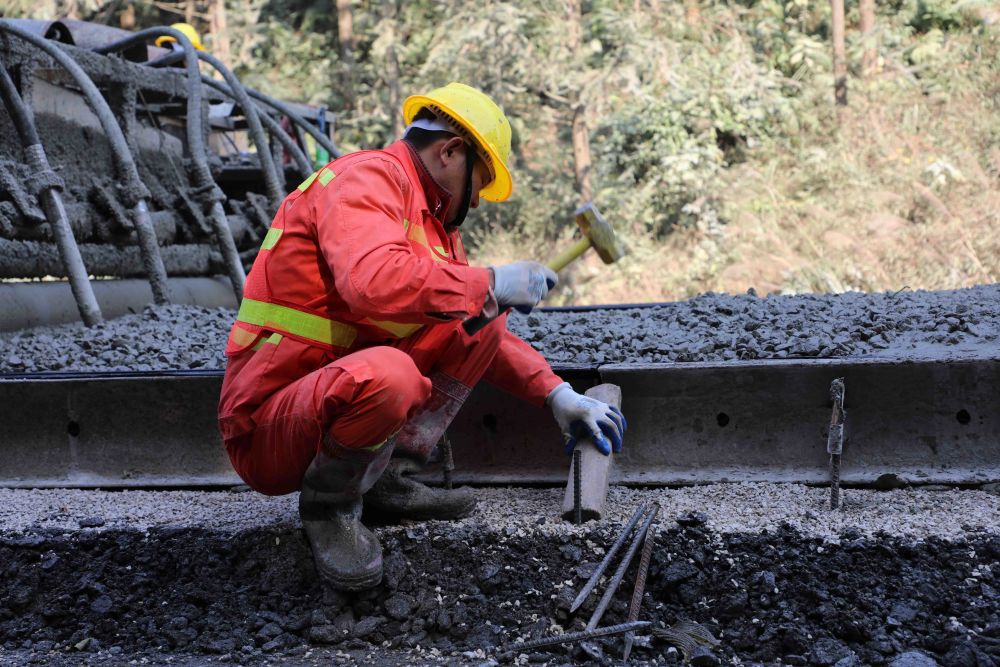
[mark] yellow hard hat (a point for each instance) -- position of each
(188, 31)
(481, 120)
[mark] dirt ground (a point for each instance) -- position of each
(838, 591)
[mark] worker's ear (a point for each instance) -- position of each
(452, 150)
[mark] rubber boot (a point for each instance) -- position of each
(396, 495)
(348, 556)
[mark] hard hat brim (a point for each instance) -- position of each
(502, 185)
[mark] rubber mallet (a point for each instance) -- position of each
(597, 234)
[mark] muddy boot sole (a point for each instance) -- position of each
(452, 510)
(397, 496)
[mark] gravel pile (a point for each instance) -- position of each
(721, 327)
(176, 337)
(711, 327)
(904, 578)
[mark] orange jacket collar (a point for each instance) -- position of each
(438, 199)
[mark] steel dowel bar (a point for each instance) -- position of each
(448, 461)
(835, 439)
(640, 585)
(577, 493)
(619, 541)
(303, 163)
(55, 212)
(134, 189)
(616, 580)
(571, 637)
(196, 145)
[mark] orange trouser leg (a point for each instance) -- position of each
(357, 401)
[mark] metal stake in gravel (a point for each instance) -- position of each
(640, 584)
(572, 637)
(616, 580)
(577, 492)
(835, 439)
(619, 541)
(449, 461)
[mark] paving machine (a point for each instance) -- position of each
(166, 179)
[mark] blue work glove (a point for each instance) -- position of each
(522, 285)
(581, 416)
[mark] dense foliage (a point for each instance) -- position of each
(717, 150)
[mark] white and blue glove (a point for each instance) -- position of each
(580, 416)
(521, 285)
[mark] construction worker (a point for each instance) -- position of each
(348, 358)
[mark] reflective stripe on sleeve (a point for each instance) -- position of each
(271, 238)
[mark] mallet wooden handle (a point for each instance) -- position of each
(476, 323)
(571, 253)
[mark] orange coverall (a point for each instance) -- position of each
(356, 297)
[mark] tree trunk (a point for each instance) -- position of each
(220, 32)
(189, 12)
(127, 18)
(870, 55)
(392, 69)
(345, 40)
(692, 13)
(581, 152)
(839, 54)
(68, 9)
(581, 135)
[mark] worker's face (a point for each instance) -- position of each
(452, 175)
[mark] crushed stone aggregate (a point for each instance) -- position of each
(915, 513)
(710, 327)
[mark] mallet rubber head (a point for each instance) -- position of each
(602, 236)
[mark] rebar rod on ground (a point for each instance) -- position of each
(51, 200)
(135, 191)
(616, 580)
(619, 541)
(571, 637)
(640, 586)
(835, 439)
(196, 146)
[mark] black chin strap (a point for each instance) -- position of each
(470, 163)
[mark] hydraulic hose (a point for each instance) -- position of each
(272, 180)
(133, 188)
(196, 145)
(275, 104)
(301, 161)
(55, 212)
(283, 108)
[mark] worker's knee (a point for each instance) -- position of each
(388, 381)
